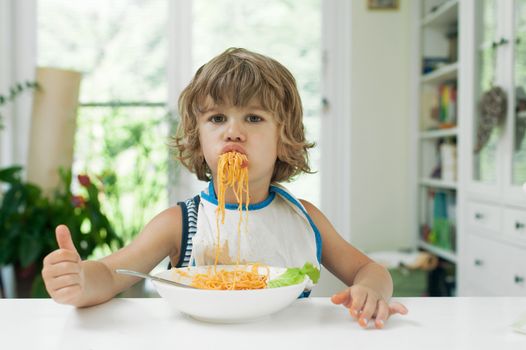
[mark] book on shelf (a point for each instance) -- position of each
(448, 161)
(445, 160)
(447, 115)
(431, 64)
(439, 106)
(439, 228)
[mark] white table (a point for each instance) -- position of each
(432, 323)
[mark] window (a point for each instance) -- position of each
(121, 48)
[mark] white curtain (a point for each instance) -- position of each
(17, 64)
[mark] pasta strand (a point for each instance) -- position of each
(232, 172)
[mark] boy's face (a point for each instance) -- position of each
(249, 130)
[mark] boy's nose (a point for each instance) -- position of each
(234, 133)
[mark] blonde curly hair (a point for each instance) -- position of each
(236, 77)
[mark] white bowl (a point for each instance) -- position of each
(226, 306)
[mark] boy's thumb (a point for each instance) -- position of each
(64, 238)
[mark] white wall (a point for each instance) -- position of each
(377, 101)
(380, 217)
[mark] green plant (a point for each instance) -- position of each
(28, 220)
(14, 92)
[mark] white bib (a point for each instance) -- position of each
(279, 232)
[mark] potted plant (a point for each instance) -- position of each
(28, 220)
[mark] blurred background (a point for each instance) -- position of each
(417, 108)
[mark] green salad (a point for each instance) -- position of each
(295, 275)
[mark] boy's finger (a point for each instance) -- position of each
(68, 294)
(397, 308)
(64, 238)
(343, 297)
(61, 256)
(63, 268)
(64, 281)
(358, 301)
(381, 314)
(371, 305)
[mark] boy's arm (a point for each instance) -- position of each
(342, 259)
(85, 283)
(370, 284)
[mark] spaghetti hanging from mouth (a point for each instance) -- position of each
(232, 172)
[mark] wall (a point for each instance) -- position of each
(380, 216)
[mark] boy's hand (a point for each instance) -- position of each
(364, 304)
(62, 271)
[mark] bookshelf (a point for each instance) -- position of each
(439, 13)
(434, 134)
(443, 253)
(439, 184)
(444, 73)
(436, 128)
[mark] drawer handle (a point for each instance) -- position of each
(519, 225)
(478, 262)
(479, 216)
(519, 279)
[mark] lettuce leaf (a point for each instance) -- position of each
(295, 275)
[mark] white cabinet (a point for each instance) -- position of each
(514, 226)
(489, 247)
(492, 251)
(494, 268)
(484, 217)
(481, 264)
(496, 155)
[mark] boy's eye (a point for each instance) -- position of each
(218, 118)
(254, 118)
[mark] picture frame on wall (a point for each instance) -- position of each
(382, 4)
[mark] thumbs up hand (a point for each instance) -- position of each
(62, 271)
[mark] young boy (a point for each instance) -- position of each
(248, 103)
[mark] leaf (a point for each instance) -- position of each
(312, 272)
(28, 250)
(11, 174)
(6, 253)
(38, 288)
(295, 275)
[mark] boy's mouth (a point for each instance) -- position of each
(233, 148)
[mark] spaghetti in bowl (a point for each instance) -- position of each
(227, 306)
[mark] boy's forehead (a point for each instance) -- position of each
(208, 104)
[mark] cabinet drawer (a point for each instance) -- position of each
(494, 268)
(475, 289)
(513, 272)
(482, 265)
(515, 223)
(484, 216)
